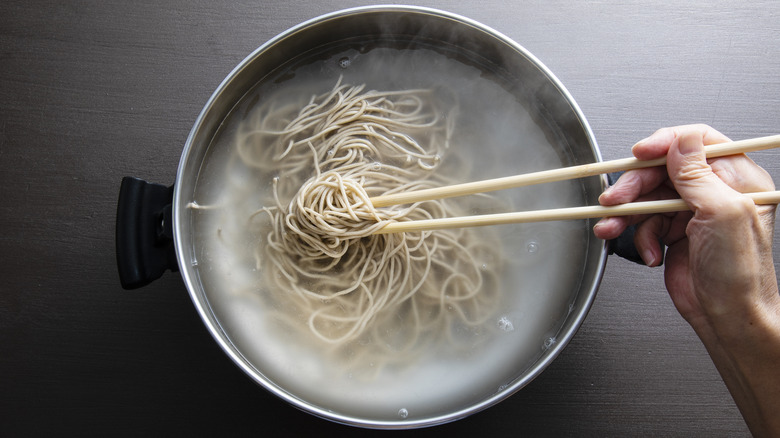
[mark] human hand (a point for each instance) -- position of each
(719, 257)
(719, 270)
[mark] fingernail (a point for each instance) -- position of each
(599, 228)
(648, 257)
(689, 144)
(641, 142)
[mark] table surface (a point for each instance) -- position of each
(94, 90)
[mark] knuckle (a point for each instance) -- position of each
(693, 170)
(735, 209)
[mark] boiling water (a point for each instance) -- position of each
(539, 265)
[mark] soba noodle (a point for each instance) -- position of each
(377, 295)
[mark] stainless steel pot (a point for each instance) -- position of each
(154, 225)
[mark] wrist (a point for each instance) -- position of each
(745, 351)
(748, 323)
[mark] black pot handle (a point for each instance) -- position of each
(144, 232)
(623, 245)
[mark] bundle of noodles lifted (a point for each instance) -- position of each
(382, 297)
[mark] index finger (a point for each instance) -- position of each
(657, 144)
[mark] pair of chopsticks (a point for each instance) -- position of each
(561, 174)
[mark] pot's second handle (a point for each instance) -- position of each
(624, 245)
(144, 232)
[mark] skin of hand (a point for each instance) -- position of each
(719, 270)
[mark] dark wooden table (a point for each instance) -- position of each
(93, 90)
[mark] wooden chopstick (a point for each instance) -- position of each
(565, 173)
(557, 214)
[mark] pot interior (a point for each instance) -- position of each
(506, 114)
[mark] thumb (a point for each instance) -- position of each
(693, 177)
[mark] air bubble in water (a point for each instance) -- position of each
(549, 342)
(344, 62)
(532, 247)
(376, 165)
(331, 152)
(403, 413)
(505, 324)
